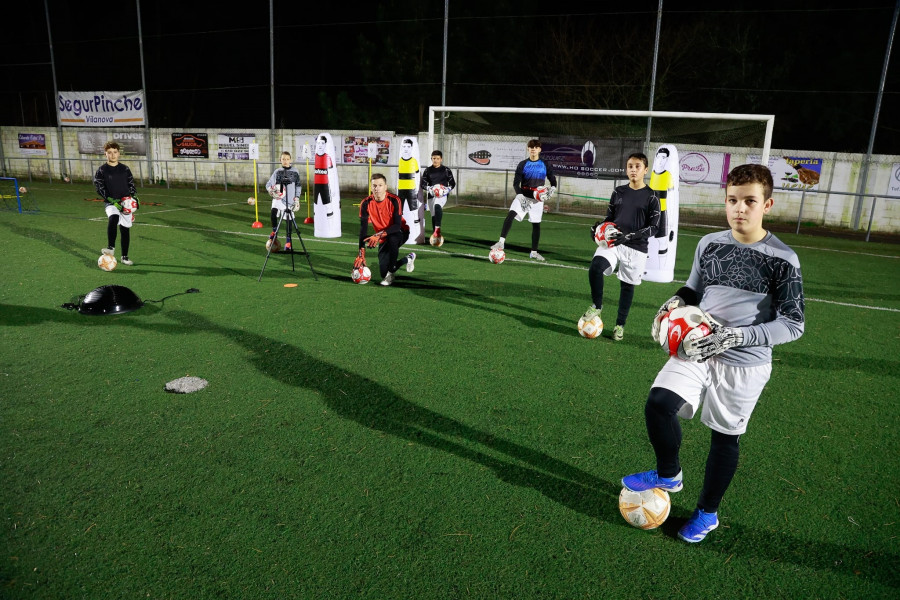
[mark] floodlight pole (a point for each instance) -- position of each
(444, 74)
(149, 142)
(59, 137)
(653, 74)
(272, 78)
(864, 175)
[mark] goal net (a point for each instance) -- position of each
(15, 197)
(588, 150)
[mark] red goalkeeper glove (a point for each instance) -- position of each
(374, 240)
(360, 261)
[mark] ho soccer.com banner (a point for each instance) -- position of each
(101, 109)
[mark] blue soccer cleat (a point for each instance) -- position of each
(696, 528)
(640, 482)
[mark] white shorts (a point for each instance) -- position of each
(633, 262)
(535, 211)
(124, 220)
(432, 202)
(728, 393)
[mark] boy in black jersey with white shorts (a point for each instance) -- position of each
(632, 218)
(115, 183)
(437, 183)
(749, 284)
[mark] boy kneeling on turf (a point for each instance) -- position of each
(749, 284)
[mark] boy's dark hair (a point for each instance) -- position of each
(288, 153)
(109, 145)
(437, 153)
(747, 174)
(640, 156)
(379, 176)
(534, 143)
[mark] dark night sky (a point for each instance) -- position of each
(816, 66)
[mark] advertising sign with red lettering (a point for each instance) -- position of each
(190, 145)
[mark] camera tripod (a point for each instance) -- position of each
(288, 215)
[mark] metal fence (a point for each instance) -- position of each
(823, 212)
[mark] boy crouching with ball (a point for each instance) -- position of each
(749, 284)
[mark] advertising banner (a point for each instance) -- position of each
(796, 174)
(190, 145)
(235, 146)
(32, 144)
(131, 143)
(101, 109)
(356, 149)
(704, 167)
(894, 181)
(591, 159)
(495, 155)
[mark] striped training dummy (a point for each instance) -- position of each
(326, 193)
(664, 181)
(408, 189)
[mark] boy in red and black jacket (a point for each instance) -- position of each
(383, 210)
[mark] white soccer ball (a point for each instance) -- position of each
(440, 190)
(23, 189)
(497, 256)
(681, 324)
(272, 245)
(645, 510)
(361, 276)
(129, 205)
(436, 240)
(107, 262)
(251, 200)
(591, 328)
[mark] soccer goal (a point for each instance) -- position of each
(15, 197)
(588, 148)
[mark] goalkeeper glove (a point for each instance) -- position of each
(296, 204)
(374, 240)
(552, 191)
(116, 203)
(702, 349)
(360, 261)
(525, 202)
(670, 304)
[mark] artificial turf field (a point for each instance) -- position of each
(449, 437)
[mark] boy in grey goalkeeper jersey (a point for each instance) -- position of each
(749, 284)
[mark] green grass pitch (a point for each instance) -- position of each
(449, 437)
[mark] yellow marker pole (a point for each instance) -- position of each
(254, 154)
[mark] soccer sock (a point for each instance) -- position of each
(535, 236)
(111, 229)
(507, 224)
(626, 295)
(721, 465)
(664, 430)
(436, 215)
(274, 219)
(126, 239)
(599, 265)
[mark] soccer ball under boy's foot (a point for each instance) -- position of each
(645, 510)
(272, 245)
(436, 240)
(107, 262)
(497, 256)
(591, 327)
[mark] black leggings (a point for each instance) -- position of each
(598, 267)
(664, 429)
(389, 250)
(535, 230)
(111, 225)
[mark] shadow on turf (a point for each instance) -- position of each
(378, 407)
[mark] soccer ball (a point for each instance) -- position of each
(107, 262)
(251, 200)
(436, 240)
(680, 324)
(591, 328)
(128, 205)
(645, 510)
(600, 234)
(497, 256)
(272, 245)
(440, 190)
(361, 276)
(23, 189)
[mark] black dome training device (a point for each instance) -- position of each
(110, 300)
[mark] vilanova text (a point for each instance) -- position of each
(100, 104)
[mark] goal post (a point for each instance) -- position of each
(762, 148)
